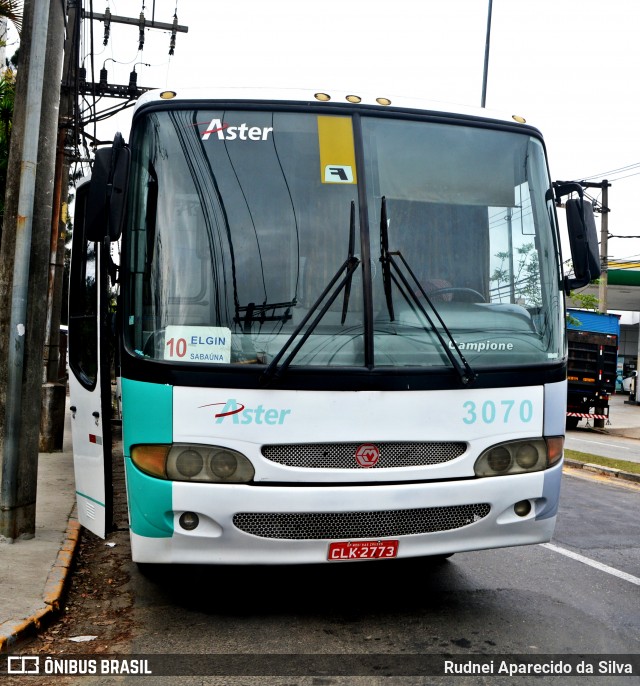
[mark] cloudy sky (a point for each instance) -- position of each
(570, 67)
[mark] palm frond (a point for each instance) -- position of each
(12, 10)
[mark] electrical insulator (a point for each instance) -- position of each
(133, 83)
(107, 26)
(174, 31)
(141, 25)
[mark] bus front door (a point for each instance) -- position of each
(90, 377)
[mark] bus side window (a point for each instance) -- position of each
(83, 298)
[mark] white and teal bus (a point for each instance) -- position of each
(340, 329)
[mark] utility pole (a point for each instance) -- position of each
(74, 84)
(53, 385)
(604, 241)
(23, 262)
(604, 249)
(130, 90)
(604, 263)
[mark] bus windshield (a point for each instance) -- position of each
(346, 241)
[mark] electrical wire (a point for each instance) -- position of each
(634, 165)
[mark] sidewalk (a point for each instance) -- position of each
(624, 417)
(35, 572)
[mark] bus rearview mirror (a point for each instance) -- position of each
(108, 192)
(583, 240)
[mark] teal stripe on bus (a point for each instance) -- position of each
(147, 417)
(150, 503)
(88, 497)
(147, 413)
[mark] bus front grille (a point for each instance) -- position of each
(343, 455)
(350, 525)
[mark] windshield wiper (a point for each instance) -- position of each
(384, 257)
(275, 370)
(459, 362)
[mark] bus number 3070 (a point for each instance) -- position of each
(503, 411)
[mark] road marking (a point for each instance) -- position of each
(592, 563)
(610, 445)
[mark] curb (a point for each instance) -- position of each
(603, 471)
(54, 590)
(56, 584)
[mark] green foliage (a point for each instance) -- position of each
(525, 280)
(12, 10)
(586, 301)
(588, 458)
(7, 95)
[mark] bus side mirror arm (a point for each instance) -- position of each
(583, 236)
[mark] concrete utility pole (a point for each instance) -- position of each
(604, 249)
(24, 261)
(604, 242)
(54, 386)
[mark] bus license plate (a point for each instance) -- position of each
(362, 550)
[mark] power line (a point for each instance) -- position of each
(614, 171)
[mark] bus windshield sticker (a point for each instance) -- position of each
(337, 150)
(243, 132)
(198, 344)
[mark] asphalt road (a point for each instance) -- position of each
(580, 594)
(617, 447)
(605, 441)
(533, 600)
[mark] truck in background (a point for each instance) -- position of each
(592, 340)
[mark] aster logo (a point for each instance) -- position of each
(367, 455)
(242, 132)
(233, 412)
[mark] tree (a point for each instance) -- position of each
(12, 10)
(7, 94)
(524, 282)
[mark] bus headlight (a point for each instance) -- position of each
(519, 457)
(186, 462)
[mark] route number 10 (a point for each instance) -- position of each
(177, 348)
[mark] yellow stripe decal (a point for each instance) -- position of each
(337, 152)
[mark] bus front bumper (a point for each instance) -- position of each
(294, 516)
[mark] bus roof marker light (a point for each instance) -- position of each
(323, 97)
(355, 99)
(518, 118)
(383, 101)
(168, 95)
